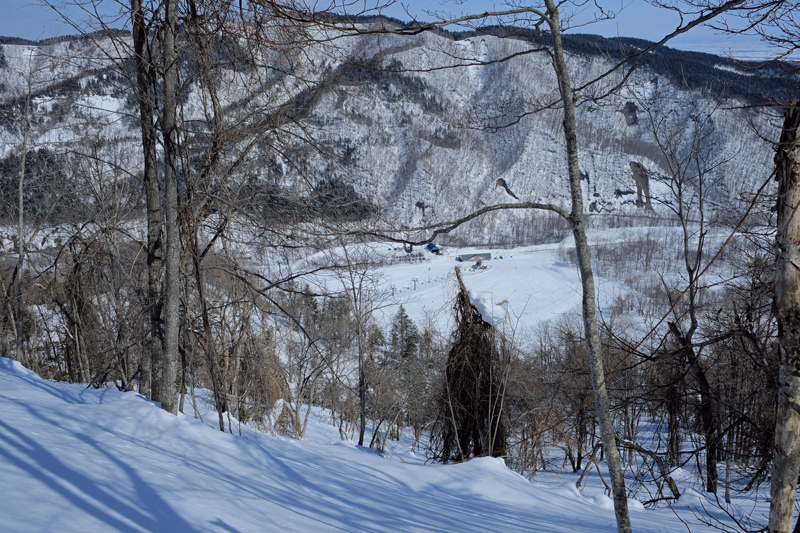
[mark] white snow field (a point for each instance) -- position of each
(84, 460)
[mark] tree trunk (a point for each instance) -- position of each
(17, 319)
(172, 286)
(673, 425)
(707, 408)
(151, 370)
(362, 377)
(786, 461)
(577, 221)
(208, 346)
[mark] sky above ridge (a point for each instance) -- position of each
(31, 19)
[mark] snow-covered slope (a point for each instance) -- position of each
(83, 460)
(515, 290)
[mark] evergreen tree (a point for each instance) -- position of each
(404, 337)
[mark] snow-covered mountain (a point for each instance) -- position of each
(421, 141)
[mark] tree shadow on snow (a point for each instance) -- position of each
(148, 511)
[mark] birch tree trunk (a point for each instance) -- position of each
(18, 318)
(589, 303)
(786, 461)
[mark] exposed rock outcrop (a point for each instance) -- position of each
(642, 180)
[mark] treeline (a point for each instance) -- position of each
(692, 70)
(61, 38)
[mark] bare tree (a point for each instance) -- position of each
(778, 25)
(689, 150)
(14, 299)
(786, 463)
(142, 26)
(366, 296)
(471, 419)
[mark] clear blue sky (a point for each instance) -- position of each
(635, 18)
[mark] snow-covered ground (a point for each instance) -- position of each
(78, 459)
(517, 289)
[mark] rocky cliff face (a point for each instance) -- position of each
(422, 141)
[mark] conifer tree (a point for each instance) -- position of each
(404, 337)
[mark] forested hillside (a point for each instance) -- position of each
(420, 144)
